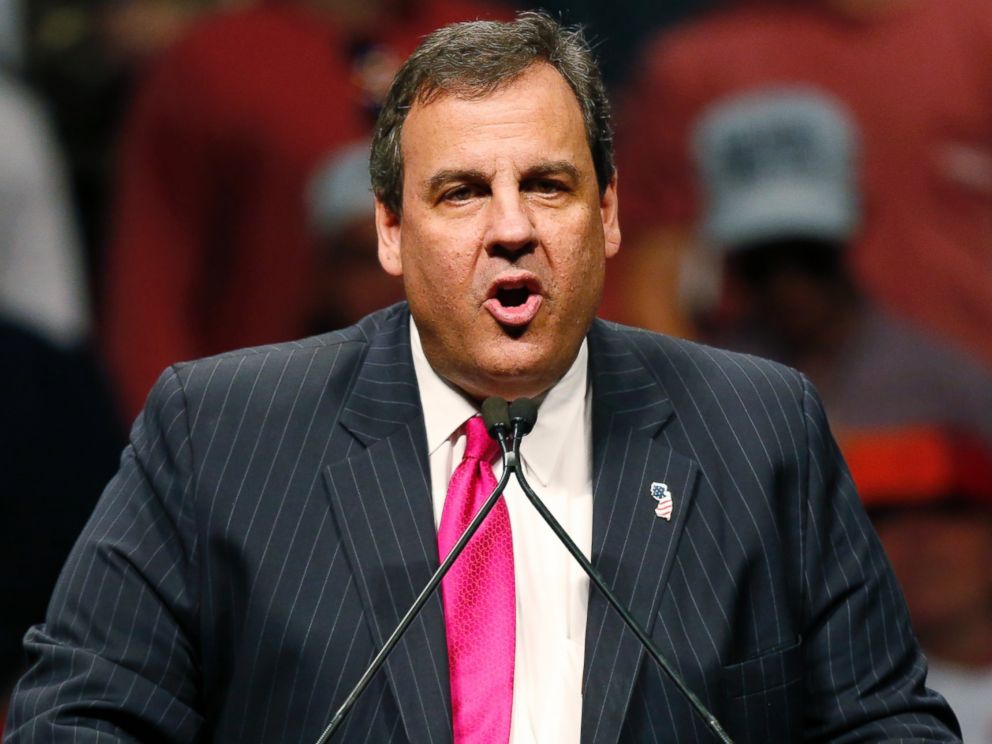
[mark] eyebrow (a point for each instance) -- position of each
(471, 175)
(452, 175)
(553, 168)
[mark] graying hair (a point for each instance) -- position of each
(474, 59)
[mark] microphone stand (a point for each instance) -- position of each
(519, 429)
(509, 466)
(523, 413)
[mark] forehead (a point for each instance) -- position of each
(535, 115)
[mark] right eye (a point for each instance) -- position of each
(461, 193)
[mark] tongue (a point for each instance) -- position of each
(516, 315)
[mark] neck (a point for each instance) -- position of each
(823, 341)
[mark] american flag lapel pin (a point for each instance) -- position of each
(661, 494)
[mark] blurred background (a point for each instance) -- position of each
(809, 180)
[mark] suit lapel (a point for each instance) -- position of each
(381, 501)
(632, 548)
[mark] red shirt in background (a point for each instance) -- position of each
(210, 244)
(917, 77)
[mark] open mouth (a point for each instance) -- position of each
(514, 301)
(512, 296)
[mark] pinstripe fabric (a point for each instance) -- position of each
(768, 590)
(271, 521)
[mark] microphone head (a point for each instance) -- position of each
(523, 411)
(495, 414)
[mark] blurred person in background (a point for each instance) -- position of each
(781, 205)
(929, 493)
(59, 440)
(350, 282)
(42, 276)
(83, 57)
(915, 75)
(59, 444)
(211, 248)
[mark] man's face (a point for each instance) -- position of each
(504, 235)
(793, 288)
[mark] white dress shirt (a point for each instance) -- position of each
(552, 590)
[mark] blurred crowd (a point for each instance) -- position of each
(808, 180)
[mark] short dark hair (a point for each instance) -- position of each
(476, 58)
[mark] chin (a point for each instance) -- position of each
(515, 373)
(507, 388)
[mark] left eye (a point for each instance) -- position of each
(546, 187)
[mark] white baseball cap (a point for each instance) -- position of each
(777, 163)
(340, 190)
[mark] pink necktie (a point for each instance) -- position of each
(479, 598)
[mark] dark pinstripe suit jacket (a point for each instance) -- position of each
(272, 520)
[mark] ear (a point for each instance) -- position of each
(387, 227)
(611, 221)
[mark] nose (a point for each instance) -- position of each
(511, 228)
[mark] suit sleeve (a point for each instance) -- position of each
(116, 658)
(864, 671)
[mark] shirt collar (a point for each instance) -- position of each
(446, 409)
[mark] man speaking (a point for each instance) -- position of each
(279, 508)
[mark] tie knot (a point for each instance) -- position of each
(478, 444)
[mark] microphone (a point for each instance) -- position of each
(496, 416)
(519, 417)
(523, 416)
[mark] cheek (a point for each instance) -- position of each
(578, 259)
(581, 276)
(438, 269)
